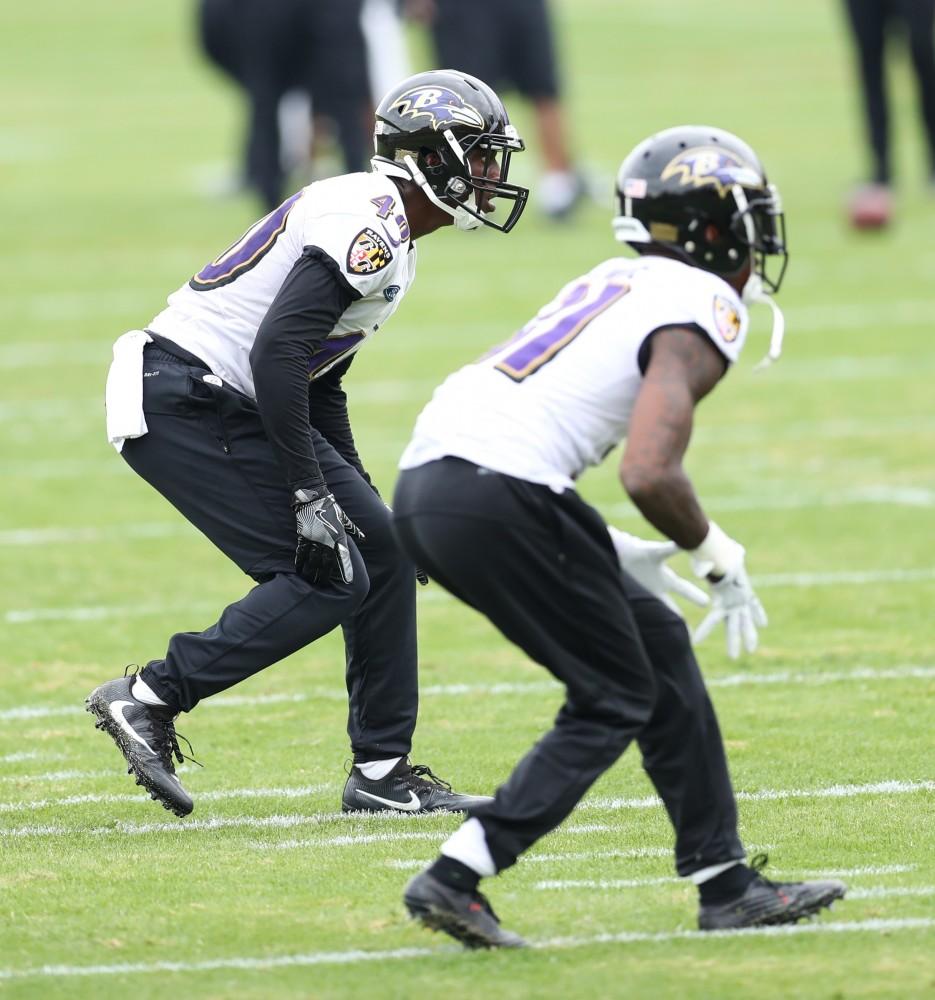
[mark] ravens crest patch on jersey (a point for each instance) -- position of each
(368, 253)
(726, 318)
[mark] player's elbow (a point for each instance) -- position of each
(642, 482)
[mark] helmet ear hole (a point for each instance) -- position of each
(712, 233)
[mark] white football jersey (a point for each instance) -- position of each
(358, 220)
(557, 397)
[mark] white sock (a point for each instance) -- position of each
(144, 693)
(377, 769)
(468, 844)
(712, 871)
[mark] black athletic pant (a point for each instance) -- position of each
(207, 454)
(869, 21)
(542, 568)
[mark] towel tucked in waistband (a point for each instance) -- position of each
(123, 395)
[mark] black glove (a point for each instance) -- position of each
(322, 529)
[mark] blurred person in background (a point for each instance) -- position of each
(486, 502)
(871, 205)
(289, 56)
(510, 43)
(231, 404)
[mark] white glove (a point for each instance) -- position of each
(645, 562)
(733, 599)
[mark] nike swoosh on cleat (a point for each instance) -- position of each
(116, 711)
(413, 805)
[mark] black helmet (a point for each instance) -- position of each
(425, 129)
(702, 194)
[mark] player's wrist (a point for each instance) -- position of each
(718, 555)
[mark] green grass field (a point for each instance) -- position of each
(823, 466)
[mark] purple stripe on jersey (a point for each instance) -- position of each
(536, 351)
(248, 250)
(331, 350)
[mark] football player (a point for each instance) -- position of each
(230, 403)
(486, 502)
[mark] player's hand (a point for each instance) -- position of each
(645, 562)
(322, 529)
(733, 600)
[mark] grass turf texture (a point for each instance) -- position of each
(821, 466)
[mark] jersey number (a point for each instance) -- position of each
(556, 326)
(247, 252)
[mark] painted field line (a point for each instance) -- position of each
(739, 679)
(118, 534)
(279, 821)
(902, 496)
(350, 839)
(219, 701)
(638, 883)
(630, 853)
(357, 956)
(215, 796)
(886, 892)
(778, 794)
(286, 821)
(15, 758)
(906, 496)
(28, 616)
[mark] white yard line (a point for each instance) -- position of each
(435, 595)
(447, 952)
(213, 796)
(407, 864)
(778, 794)
(739, 679)
(127, 828)
(890, 496)
(605, 884)
(886, 892)
(118, 534)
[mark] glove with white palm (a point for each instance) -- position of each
(645, 562)
(322, 529)
(720, 560)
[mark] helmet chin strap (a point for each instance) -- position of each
(463, 219)
(753, 292)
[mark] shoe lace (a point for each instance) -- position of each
(172, 739)
(757, 863)
(424, 775)
(479, 897)
(165, 738)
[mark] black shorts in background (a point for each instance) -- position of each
(506, 43)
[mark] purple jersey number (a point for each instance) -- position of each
(556, 326)
(247, 252)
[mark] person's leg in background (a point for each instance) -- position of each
(870, 205)
(919, 16)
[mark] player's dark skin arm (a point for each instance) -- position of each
(684, 366)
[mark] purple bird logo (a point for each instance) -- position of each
(442, 108)
(708, 166)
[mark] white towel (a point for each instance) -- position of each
(123, 396)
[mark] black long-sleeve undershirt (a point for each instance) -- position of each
(327, 413)
(303, 313)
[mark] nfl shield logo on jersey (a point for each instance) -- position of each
(368, 253)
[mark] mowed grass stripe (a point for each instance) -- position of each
(353, 957)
